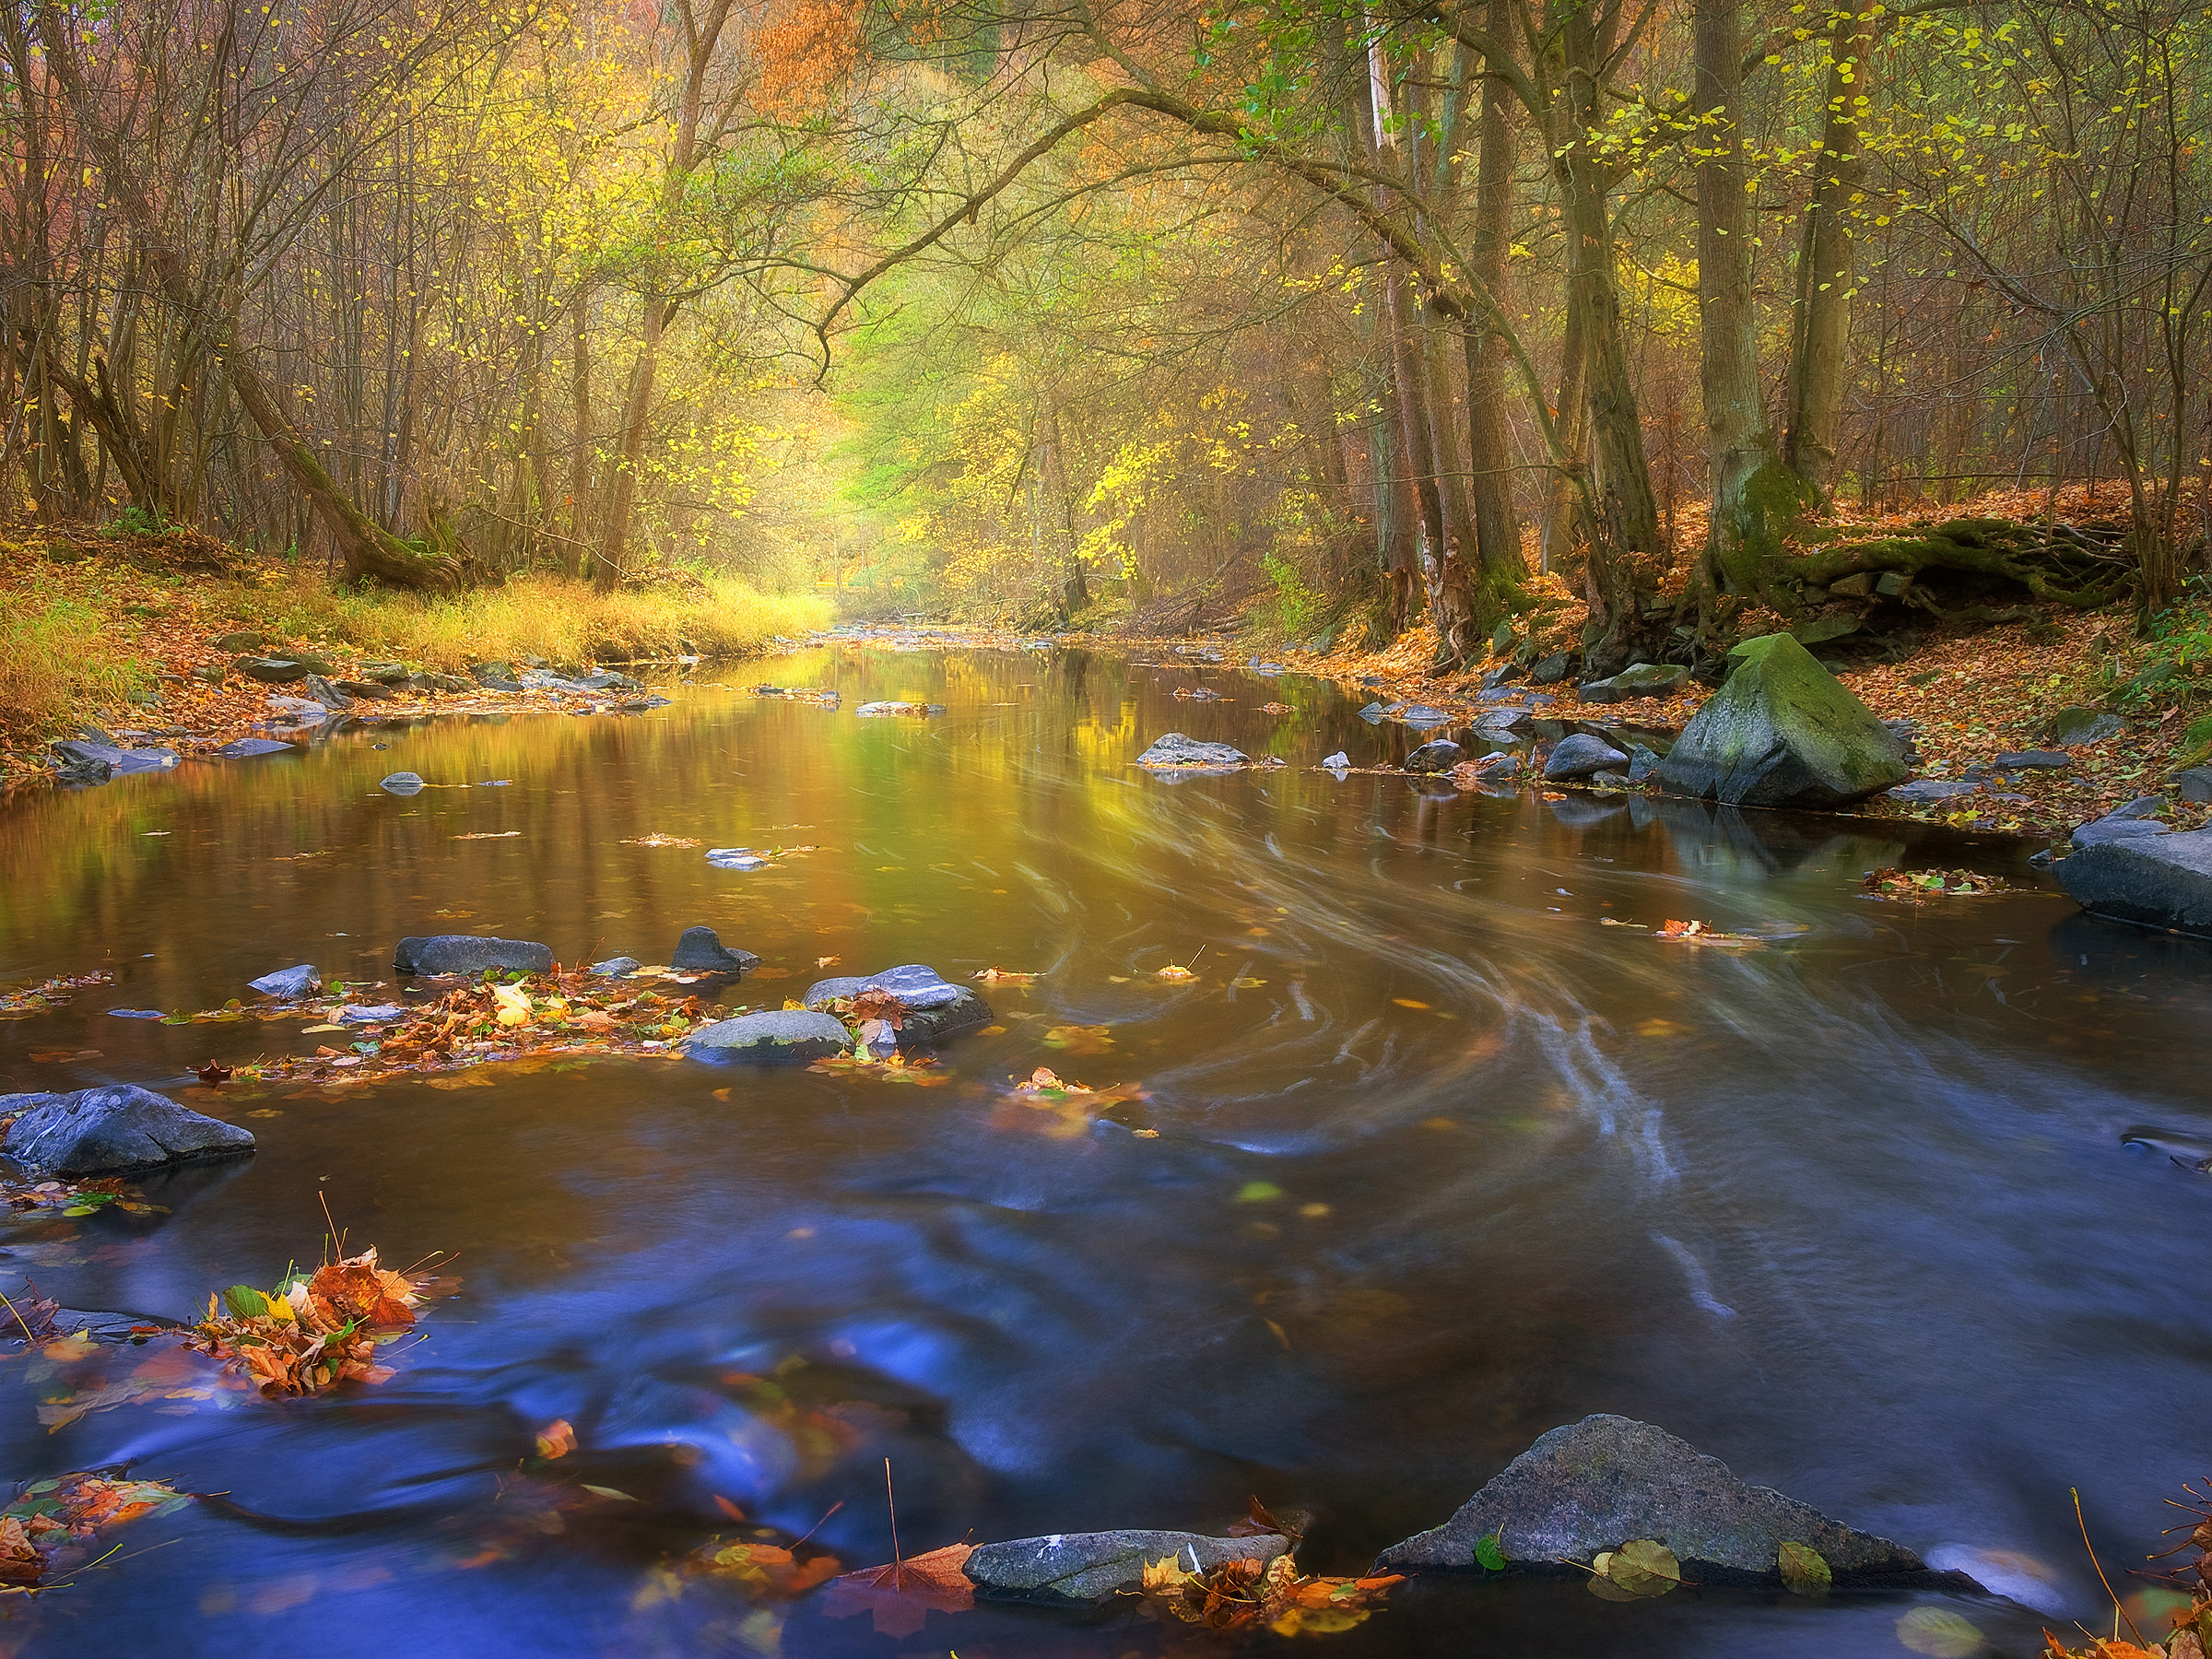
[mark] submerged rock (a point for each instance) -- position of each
(1597, 1484)
(1172, 749)
(290, 984)
(248, 748)
(1580, 755)
(701, 948)
(1638, 679)
(104, 1131)
(470, 953)
(935, 1008)
(1782, 731)
(77, 753)
(372, 1014)
(401, 783)
(775, 1037)
(1088, 1566)
(2154, 878)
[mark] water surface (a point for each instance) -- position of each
(1441, 1160)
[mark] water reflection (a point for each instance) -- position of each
(1442, 1159)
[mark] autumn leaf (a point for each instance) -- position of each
(1805, 1572)
(1640, 1569)
(1173, 972)
(556, 1439)
(901, 1595)
(1004, 976)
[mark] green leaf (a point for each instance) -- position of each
(245, 1303)
(1939, 1633)
(1803, 1570)
(1644, 1567)
(1488, 1551)
(82, 1209)
(1258, 1192)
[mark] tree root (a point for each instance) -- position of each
(2058, 564)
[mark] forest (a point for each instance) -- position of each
(1349, 317)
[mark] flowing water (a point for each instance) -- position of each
(1442, 1162)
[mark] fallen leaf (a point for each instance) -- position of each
(1805, 1572)
(556, 1439)
(902, 1595)
(211, 1073)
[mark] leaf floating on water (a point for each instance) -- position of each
(212, 1073)
(38, 998)
(488, 835)
(1247, 983)
(1174, 973)
(1258, 1192)
(1004, 976)
(1698, 933)
(1804, 1570)
(1489, 1550)
(54, 1522)
(556, 1439)
(309, 1333)
(1913, 885)
(661, 841)
(1939, 1633)
(902, 1595)
(1640, 1569)
(1242, 1596)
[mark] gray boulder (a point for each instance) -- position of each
(401, 783)
(1439, 755)
(469, 953)
(1597, 1484)
(1782, 731)
(1638, 679)
(1174, 749)
(934, 1008)
(2196, 784)
(1090, 1567)
(324, 692)
(1643, 762)
(1580, 755)
(2113, 828)
(1923, 790)
(1422, 715)
(2074, 727)
(290, 984)
(374, 691)
(1551, 670)
(2156, 880)
(272, 670)
(103, 1131)
(776, 1037)
(239, 642)
(701, 948)
(616, 967)
(495, 676)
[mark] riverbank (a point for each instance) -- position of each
(131, 632)
(1973, 693)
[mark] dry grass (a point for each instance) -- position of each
(57, 656)
(549, 616)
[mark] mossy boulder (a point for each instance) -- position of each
(1782, 731)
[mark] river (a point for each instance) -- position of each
(1441, 1161)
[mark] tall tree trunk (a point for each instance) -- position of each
(367, 550)
(1628, 511)
(1489, 451)
(702, 35)
(1754, 496)
(1566, 494)
(580, 452)
(1820, 322)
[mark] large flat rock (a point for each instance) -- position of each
(2151, 879)
(470, 953)
(1597, 1484)
(773, 1037)
(1087, 1567)
(106, 1131)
